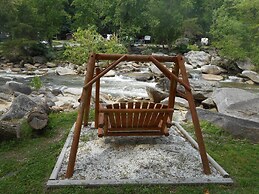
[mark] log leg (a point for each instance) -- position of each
(195, 120)
(84, 109)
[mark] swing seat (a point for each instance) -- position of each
(134, 119)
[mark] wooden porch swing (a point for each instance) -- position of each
(134, 118)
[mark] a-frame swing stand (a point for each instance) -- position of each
(93, 75)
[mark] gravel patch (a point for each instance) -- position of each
(135, 158)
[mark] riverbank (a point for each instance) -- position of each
(27, 163)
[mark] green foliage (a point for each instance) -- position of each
(167, 19)
(36, 82)
(87, 41)
(22, 49)
(235, 29)
(147, 51)
(181, 48)
(193, 47)
(32, 19)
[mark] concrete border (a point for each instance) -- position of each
(54, 182)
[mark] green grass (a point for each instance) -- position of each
(26, 164)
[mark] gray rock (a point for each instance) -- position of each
(201, 89)
(208, 103)
(4, 89)
(110, 73)
(197, 58)
(51, 65)
(237, 127)
(251, 75)
(16, 69)
(19, 108)
(65, 71)
(6, 97)
(216, 60)
(18, 87)
(237, 103)
(163, 84)
(56, 92)
(29, 67)
(179, 102)
(153, 68)
(156, 95)
(211, 69)
(245, 65)
(139, 76)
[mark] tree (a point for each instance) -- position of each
(235, 29)
(124, 18)
(87, 41)
(168, 17)
(132, 18)
(203, 12)
(49, 17)
(7, 14)
(32, 19)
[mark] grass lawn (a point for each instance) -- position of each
(26, 164)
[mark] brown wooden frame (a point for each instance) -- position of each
(174, 77)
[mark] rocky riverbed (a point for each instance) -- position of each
(62, 86)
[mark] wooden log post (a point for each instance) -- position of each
(195, 119)
(84, 109)
(9, 130)
(38, 117)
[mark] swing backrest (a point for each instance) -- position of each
(134, 118)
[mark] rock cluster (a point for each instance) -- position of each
(205, 70)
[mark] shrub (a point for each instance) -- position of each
(36, 83)
(87, 41)
(193, 47)
(22, 49)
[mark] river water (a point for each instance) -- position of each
(118, 86)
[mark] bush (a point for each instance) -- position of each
(181, 48)
(87, 41)
(22, 49)
(36, 83)
(193, 47)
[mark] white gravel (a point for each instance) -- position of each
(135, 158)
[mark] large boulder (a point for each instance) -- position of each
(201, 89)
(197, 58)
(237, 127)
(211, 69)
(245, 64)
(237, 103)
(18, 87)
(251, 75)
(21, 105)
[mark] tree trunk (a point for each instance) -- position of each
(9, 130)
(38, 117)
